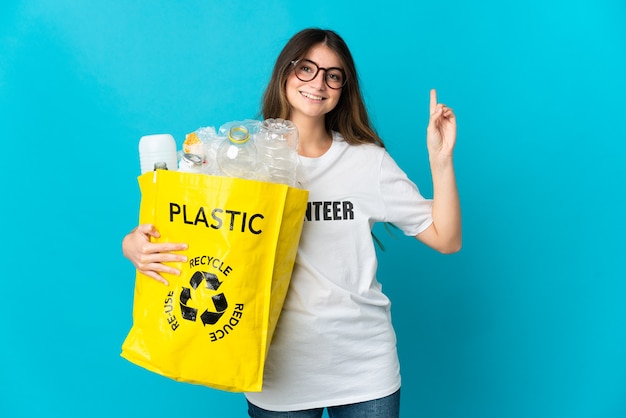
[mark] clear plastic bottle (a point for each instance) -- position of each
(237, 155)
(211, 142)
(278, 149)
(252, 125)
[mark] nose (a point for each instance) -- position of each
(319, 81)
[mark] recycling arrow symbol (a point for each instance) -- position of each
(219, 300)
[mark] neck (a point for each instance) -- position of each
(313, 139)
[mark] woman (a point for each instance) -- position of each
(334, 346)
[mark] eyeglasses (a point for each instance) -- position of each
(306, 70)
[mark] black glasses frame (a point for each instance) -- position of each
(318, 68)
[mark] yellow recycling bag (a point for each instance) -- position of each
(213, 324)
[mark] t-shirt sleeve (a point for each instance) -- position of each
(404, 205)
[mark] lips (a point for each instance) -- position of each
(312, 96)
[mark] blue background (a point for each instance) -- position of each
(528, 320)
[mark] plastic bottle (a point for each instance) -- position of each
(278, 149)
(252, 125)
(211, 142)
(159, 148)
(237, 155)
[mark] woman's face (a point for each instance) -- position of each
(314, 99)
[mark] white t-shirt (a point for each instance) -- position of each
(334, 343)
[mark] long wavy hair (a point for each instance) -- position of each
(349, 117)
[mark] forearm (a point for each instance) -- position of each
(444, 234)
(446, 206)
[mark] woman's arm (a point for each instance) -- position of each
(148, 257)
(444, 235)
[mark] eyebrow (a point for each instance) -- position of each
(325, 68)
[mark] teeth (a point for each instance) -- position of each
(310, 96)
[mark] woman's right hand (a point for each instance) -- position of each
(148, 257)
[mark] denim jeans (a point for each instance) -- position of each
(387, 407)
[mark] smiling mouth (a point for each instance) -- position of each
(312, 96)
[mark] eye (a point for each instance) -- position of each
(335, 76)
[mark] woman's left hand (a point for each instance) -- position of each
(441, 131)
(444, 234)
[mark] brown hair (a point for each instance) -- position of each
(349, 117)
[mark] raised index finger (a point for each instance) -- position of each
(433, 100)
